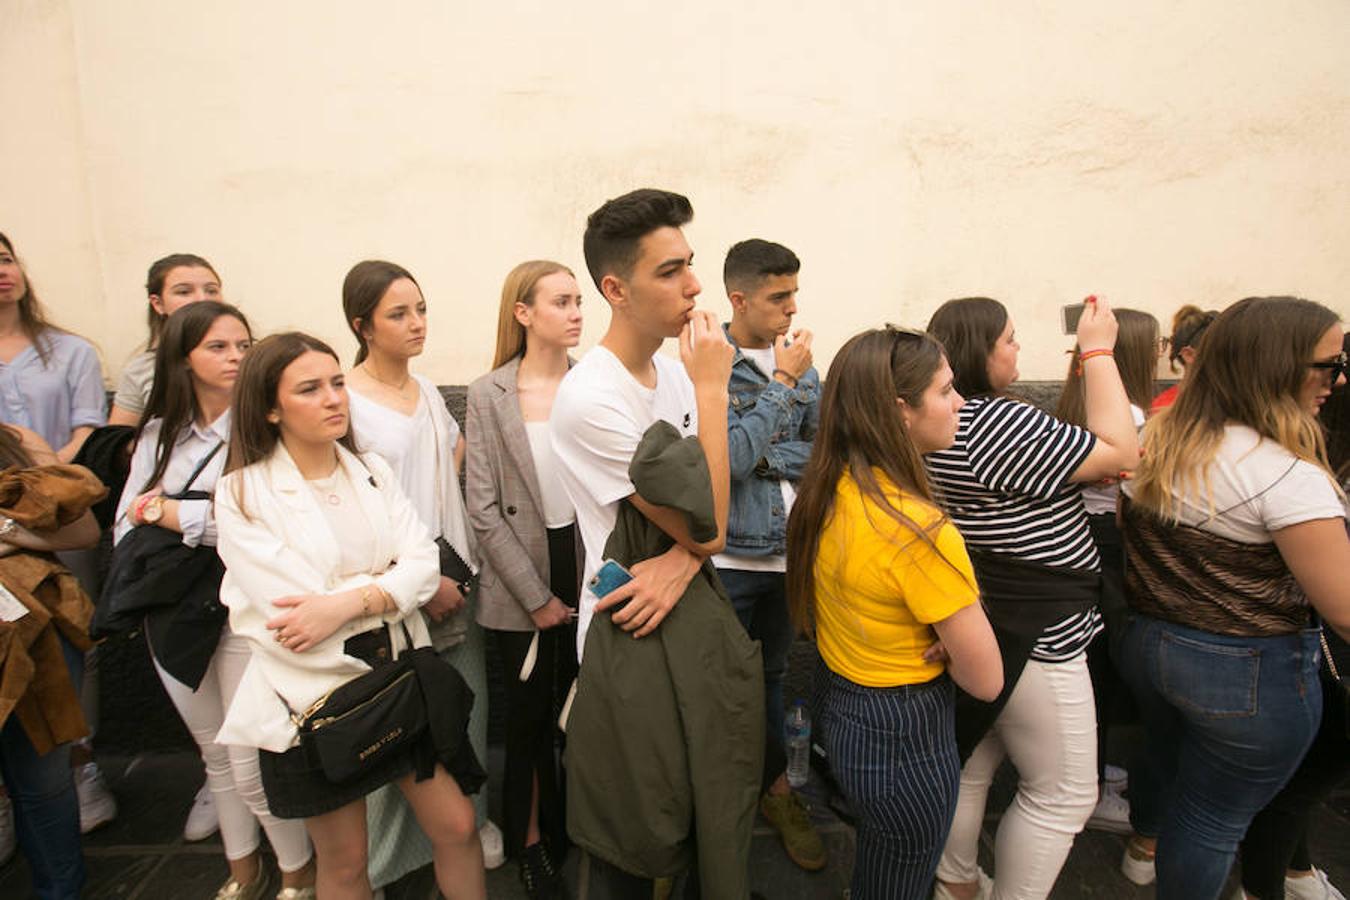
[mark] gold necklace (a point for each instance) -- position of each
(389, 384)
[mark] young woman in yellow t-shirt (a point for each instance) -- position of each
(883, 581)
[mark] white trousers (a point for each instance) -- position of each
(1049, 730)
(232, 772)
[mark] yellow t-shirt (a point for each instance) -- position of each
(879, 586)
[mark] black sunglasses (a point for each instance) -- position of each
(1335, 367)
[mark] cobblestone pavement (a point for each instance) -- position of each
(142, 856)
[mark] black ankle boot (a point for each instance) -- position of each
(538, 874)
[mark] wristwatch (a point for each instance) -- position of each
(7, 527)
(153, 510)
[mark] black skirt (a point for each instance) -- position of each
(297, 788)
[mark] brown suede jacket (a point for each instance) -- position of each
(35, 683)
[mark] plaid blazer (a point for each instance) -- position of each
(505, 509)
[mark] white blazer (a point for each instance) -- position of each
(285, 547)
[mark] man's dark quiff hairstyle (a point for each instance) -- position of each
(613, 231)
(749, 261)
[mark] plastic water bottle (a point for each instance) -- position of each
(797, 736)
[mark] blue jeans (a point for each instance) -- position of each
(46, 810)
(1228, 719)
(760, 601)
(893, 752)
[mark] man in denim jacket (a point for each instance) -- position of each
(773, 398)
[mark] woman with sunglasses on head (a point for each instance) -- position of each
(1011, 484)
(172, 283)
(879, 576)
(50, 379)
(401, 416)
(1188, 327)
(528, 544)
(179, 448)
(327, 567)
(1234, 532)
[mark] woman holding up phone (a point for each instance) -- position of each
(1010, 482)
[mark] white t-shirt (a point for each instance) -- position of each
(1099, 499)
(599, 416)
(764, 360)
(1258, 487)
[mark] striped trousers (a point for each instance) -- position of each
(893, 752)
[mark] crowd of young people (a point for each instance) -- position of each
(641, 537)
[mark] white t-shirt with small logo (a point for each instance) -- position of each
(763, 359)
(599, 417)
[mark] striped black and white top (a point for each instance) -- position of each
(1005, 483)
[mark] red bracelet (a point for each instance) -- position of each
(1084, 357)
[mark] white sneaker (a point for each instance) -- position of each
(97, 804)
(1139, 871)
(941, 892)
(494, 849)
(202, 819)
(1112, 813)
(6, 829)
(1115, 777)
(1316, 887)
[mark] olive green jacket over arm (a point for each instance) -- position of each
(665, 742)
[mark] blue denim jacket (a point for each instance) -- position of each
(766, 421)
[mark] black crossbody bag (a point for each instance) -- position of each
(359, 724)
(1337, 681)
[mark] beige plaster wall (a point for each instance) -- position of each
(1156, 153)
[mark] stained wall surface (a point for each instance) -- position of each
(1159, 152)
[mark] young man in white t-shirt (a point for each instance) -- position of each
(640, 261)
(772, 417)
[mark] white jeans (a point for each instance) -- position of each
(232, 772)
(1049, 729)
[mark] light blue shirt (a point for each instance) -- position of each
(196, 518)
(58, 397)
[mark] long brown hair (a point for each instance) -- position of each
(172, 397)
(362, 290)
(862, 431)
(519, 288)
(968, 329)
(253, 437)
(1250, 371)
(32, 318)
(154, 287)
(1136, 355)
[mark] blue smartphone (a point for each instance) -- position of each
(609, 578)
